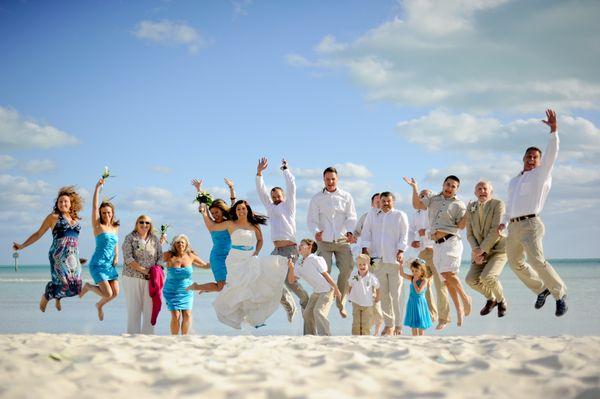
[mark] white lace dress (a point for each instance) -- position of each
(254, 284)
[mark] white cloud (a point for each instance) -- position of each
(7, 162)
(38, 166)
(163, 170)
(240, 8)
(171, 33)
(439, 130)
(475, 55)
(17, 132)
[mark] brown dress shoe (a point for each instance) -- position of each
(489, 305)
(502, 307)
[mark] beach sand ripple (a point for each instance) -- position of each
(85, 366)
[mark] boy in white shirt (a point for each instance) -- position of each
(361, 286)
(313, 269)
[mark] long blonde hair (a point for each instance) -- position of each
(74, 197)
(188, 248)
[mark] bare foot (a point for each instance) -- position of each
(192, 287)
(84, 290)
(467, 305)
(343, 313)
(387, 331)
(441, 325)
(58, 305)
(43, 303)
(100, 311)
(459, 318)
(398, 330)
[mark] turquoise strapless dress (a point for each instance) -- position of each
(178, 279)
(417, 312)
(218, 253)
(101, 264)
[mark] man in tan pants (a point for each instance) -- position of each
(527, 193)
(418, 234)
(332, 218)
(488, 255)
(385, 238)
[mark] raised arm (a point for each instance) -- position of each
(406, 276)
(48, 223)
(549, 157)
(290, 186)
(231, 190)
(95, 215)
(416, 201)
(263, 194)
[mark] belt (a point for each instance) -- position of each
(519, 218)
(242, 247)
(444, 238)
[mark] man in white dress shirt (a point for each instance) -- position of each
(332, 219)
(281, 209)
(385, 239)
(375, 206)
(418, 235)
(527, 193)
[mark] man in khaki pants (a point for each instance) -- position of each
(332, 219)
(488, 255)
(418, 234)
(385, 238)
(527, 193)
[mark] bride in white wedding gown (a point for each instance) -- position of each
(254, 284)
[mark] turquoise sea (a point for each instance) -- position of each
(20, 293)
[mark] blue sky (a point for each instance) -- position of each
(165, 91)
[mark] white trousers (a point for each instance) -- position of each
(139, 305)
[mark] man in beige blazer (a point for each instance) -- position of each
(488, 255)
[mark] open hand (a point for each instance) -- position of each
(197, 183)
(228, 182)
(263, 163)
(411, 182)
(551, 120)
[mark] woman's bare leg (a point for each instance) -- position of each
(415, 331)
(57, 304)
(175, 318)
(450, 283)
(207, 287)
(43, 302)
(186, 323)
(113, 289)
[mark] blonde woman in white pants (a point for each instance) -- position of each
(141, 250)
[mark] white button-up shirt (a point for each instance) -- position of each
(331, 213)
(420, 221)
(282, 217)
(363, 288)
(527, 192)
(311, 270)
(386, 233)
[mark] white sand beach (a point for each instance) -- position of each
(85, 366)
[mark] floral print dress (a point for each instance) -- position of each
(65, 269)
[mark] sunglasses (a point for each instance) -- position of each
(143, 222)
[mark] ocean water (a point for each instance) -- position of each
(20, 293)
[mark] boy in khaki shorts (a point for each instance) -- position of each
(361, 286)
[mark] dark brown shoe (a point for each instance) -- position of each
(489, 305)
(502, 307)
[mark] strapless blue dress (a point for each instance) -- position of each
(101, 264)
(178, 279)
(218, 253)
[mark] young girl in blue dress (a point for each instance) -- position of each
(417, 313)
(103, 265)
